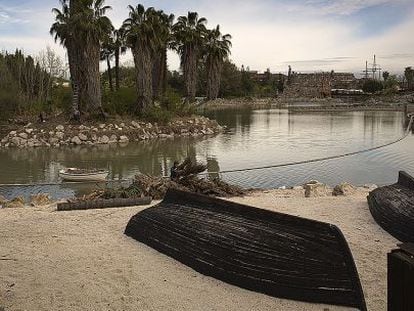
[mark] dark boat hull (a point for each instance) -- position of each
(392, 207)
(272, 253)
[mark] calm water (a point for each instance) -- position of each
(253, 138)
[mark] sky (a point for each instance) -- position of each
(309, 35)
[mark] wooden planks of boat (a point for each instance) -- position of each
(272, 253)
(392, 207)
(74, 174)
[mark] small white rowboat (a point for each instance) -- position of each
(74, 174)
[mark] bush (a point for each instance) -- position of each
(120, 102)
(372, 86)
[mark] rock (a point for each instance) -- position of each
(3, 201)
(343, 189)
(370, 186)
(17, 202)
(12, 133)
(60, 135)
(122, 125)
(60, 128)
(28, 131)
(94, 137)
(123, 139)
(101, 126)
(83, 137)
(76, 140)
(104, 139)
(15, 141)
(4, 140)
(113, 139)
(53, 140)
(23, 135)
(135, 124)
(315, 189)
(40, 199)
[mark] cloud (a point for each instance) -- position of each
(311, 35)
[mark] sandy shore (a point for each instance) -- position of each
(81, 260)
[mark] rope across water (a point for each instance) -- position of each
(406, 133)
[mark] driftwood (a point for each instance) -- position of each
(98, 204)
(392, 207)
(187, 180)
(272, 253)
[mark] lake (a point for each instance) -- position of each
(252, 139)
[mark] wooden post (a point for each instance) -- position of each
(401, 278)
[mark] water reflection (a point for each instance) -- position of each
(253, 138)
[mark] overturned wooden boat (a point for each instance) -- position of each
(76, 174)
(276, 254)
(392, 207)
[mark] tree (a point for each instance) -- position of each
(107, 52)
(372, 86)
(217, 50)
(385, 75)
(409, 76)
(189, 33)
(165, 41)
(119, 49)
(81, 26)
(141, 36)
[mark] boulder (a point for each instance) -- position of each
(104, 139)
(123, 139)
(135, 124)
(15, 141)
(28, 131)
(76, 140)
(343, 189)
(3, 200)
(60, 128)
(315, 189)
(4, 140)
(12, 133)
(82, 137)
(60, 135)
(17, 202)
(113, 139)
(101, 126)
(23, 135)
(40, 199)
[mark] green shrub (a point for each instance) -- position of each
(372, 86)
(120, 102)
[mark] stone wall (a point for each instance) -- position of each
(33, 135)
(312, 85)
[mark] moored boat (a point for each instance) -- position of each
(75, 174)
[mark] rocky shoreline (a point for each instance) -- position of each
(122, 132)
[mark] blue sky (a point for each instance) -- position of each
(311, 35)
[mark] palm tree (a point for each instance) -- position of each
(107, 52)
(141, 36)
(119, 49)
(189, 32)
(217, 50)
(81, 27)
(165, 41)
(62, 31)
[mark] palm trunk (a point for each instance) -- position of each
(190, 72)
(164, 68)
(156, 75)
(214, 67)
(108, 63)
(92, 78)
(74, 75)
(143, 65)
(117, 69)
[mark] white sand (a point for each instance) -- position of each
(81, 260)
